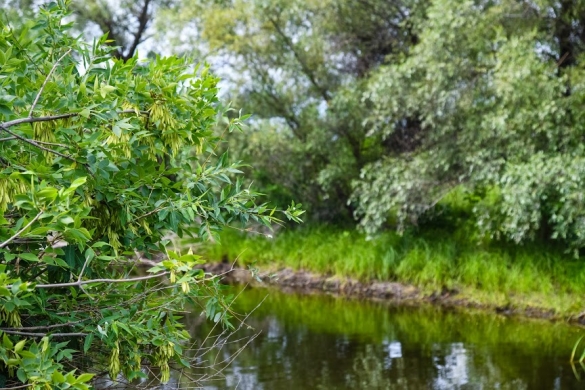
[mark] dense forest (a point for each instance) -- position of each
(448, 133)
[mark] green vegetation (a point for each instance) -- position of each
(441, 141)
(379, 124)
(518, 276)
(100, 158)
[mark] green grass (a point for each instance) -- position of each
(495, 274)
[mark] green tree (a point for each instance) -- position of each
(300, 67)
(497, 88)
(100, 158)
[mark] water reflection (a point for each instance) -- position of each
(320, 342)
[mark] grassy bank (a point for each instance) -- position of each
(493, 274)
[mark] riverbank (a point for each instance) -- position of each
(446, 269)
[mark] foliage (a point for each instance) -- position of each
(437, 259)
(378, 110)
(99, 159)
(299, 67)
(497, 88)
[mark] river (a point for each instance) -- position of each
(324, 342)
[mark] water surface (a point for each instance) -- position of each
(325, 342)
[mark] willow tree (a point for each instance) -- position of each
(101, 158)
(497, 90)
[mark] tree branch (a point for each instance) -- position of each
(45, 327)
(31, 334)
(143, 20)
(79, 283)
(308, 72)
(22, 230)
(15, 387)
(4, 126)
(45, 83)
(36, 144)
(20, 121)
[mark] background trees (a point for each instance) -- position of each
(379, 110)
(497, 91)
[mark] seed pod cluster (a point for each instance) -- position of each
(123, 143)
(164, 353)
(114, 364)
(45, 132)
(107, 223)
(8, 189)
(161, 115)
(133, 362)
(11, 318)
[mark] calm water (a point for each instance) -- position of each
(323, 342)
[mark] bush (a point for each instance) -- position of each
(100, 158)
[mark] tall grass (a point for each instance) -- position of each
(503, 274)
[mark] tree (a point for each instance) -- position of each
(497, 90)
(300, 67)
(100, 158)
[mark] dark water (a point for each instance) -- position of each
(323, 342)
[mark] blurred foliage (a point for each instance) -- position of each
(497, 88)
(300, 68)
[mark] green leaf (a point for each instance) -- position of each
(57, 377)
(85, 377)
(28, 257)
(85, 113)
(20, 373)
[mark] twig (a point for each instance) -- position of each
(20, 121)
(82, 282)
(45, 83)
(22, 230)
(15, 387)
(46, 327)
(36, 144)
(79, 278)
(31, 334)
(7, 139)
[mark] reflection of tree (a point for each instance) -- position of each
(303, 345)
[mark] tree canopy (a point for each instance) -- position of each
(100, 158)
(497, 90)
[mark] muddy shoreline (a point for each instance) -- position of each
(308, 282)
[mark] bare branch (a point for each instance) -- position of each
(22, 230)
(46, 327)
(36, 144)
(20, 121)
(45, 83)
(15, 387)
(143, 20)
(92, 281)
(31, 334)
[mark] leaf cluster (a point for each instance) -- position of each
(101, 159)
